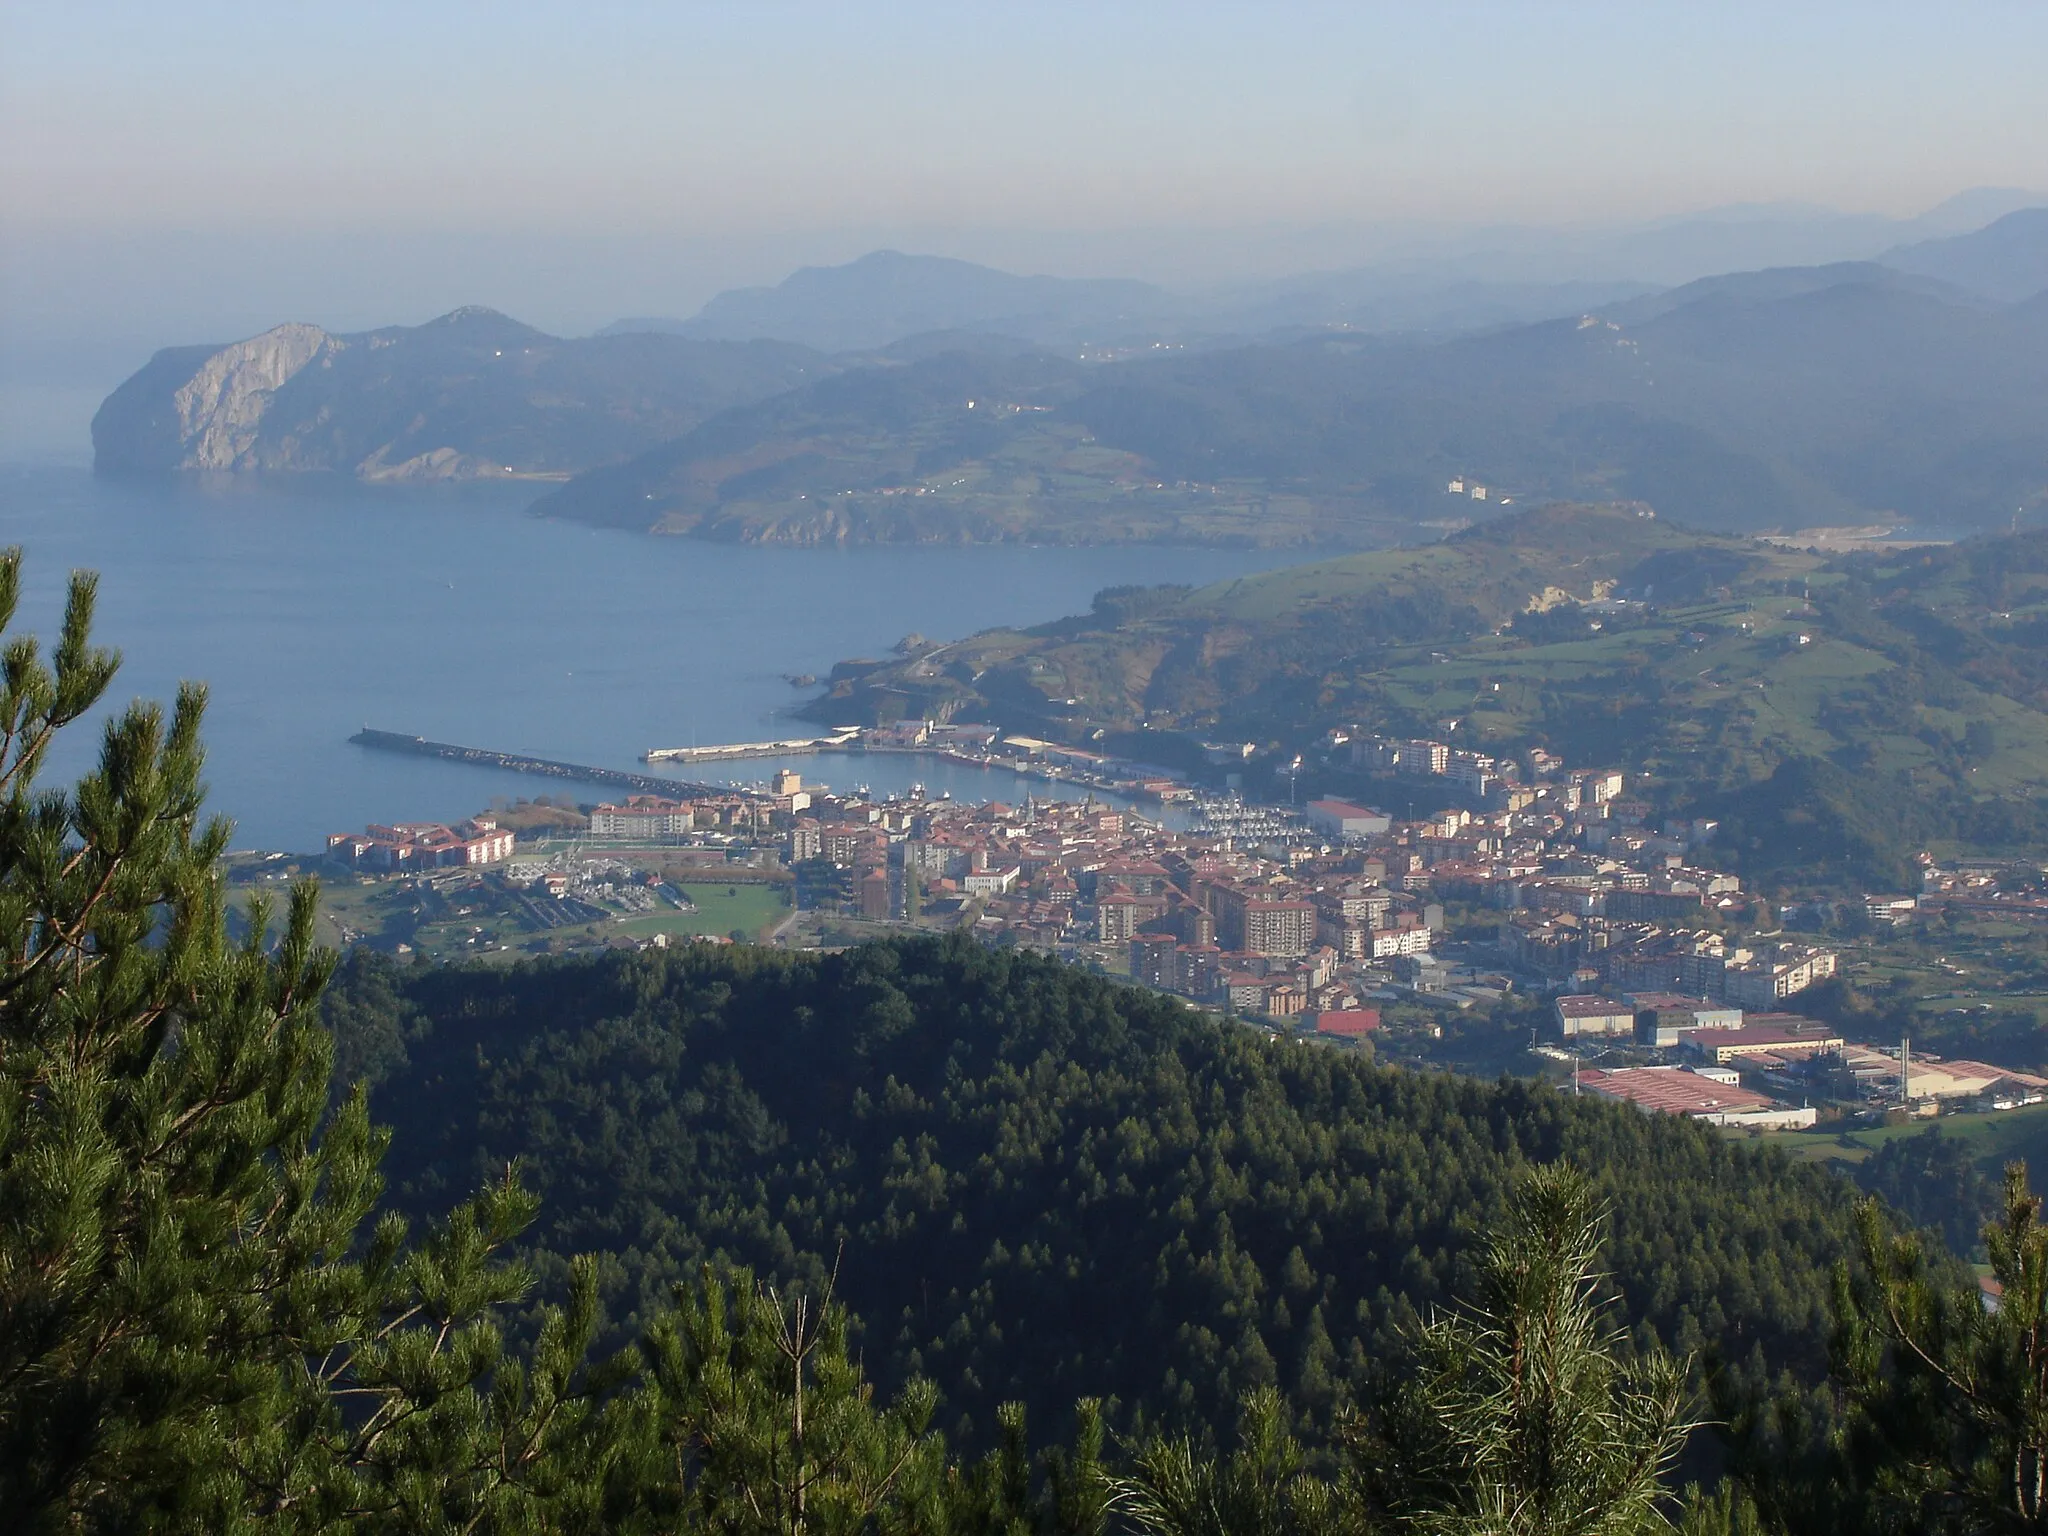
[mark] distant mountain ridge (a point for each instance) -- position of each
(471, 395)
(886, 296)
(1773, 284)
(2005, 261)
(1442, 284)
(1780, 399)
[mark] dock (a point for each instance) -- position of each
(833, 741)
(484, 757)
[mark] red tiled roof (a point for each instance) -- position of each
(1347, 1021)
(1673, 1091)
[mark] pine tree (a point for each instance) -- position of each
(761, 1423)
(1518, 1414)
(195, 1331)
(159, 1090)
(1262, 1488)
(1944, 1417)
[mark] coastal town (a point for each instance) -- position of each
(1535, 891)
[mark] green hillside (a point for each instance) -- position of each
(1900, 696)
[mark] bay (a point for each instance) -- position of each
(311, 611)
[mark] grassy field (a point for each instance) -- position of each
(1993, 1139)
(750, 909)
(486, 921)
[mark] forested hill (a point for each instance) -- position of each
(1045, 1184)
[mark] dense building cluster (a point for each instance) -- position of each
(1563, 883)
(414, 845)
(1281, 914)
(1499, 783)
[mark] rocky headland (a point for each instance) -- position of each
(471, 395)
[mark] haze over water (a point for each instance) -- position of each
(453, 615)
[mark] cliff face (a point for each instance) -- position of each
(221, 407)
(470, 395)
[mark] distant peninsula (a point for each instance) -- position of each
(472, 395)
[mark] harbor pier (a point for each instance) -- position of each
(484, 757)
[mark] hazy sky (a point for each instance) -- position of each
(224, 165)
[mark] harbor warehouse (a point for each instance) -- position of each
(1340, 818)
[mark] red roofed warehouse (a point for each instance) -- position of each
(1675, 1091)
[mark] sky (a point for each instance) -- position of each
(202, 170)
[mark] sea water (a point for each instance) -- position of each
(312, 611)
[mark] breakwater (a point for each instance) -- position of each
(484, 757)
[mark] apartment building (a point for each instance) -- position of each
(642, 816)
